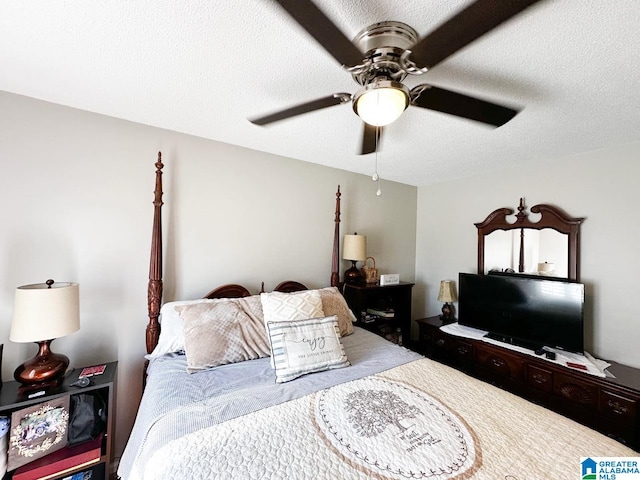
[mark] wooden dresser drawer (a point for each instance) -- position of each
(618, 407)
(540, 378)
(575, 391)
(459, 353)
(500, 363)
(462, 350)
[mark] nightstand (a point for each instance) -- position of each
(92, 456)
(393, 298)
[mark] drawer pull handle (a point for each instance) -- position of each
(440, 343)
(539, 378)
(618, 408)
(463, 350)
(497, 362)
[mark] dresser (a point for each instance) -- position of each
(609, 405)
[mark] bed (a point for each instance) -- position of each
(215, 406)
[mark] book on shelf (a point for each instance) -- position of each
(382, 312)
(61, 461)
(91, 371)
(86, 475)
(368, 318)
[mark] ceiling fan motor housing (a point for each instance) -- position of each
(386, 34)
(383, 44)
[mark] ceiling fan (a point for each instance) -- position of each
(393, 50)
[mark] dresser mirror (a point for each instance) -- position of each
(545, 244)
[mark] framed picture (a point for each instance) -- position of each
(37, 431)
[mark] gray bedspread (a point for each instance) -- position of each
(176, 403)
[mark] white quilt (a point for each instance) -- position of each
(420, 420)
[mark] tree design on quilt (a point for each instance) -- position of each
(371, 411)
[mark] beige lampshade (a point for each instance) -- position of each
(546, 267)
(43, 313)
(447, 291)
(354, 247)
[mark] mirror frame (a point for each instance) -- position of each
(550, 217)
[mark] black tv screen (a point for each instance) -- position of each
(530, 312)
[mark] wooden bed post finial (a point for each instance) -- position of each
(335, 258)
(154, 290)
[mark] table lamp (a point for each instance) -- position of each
(354, 249)
(43, 312)
(448, 295)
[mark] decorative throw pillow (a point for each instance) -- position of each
(287, 307)
(220, 332)
(305, 346)
(171, 337)
(279, 306)
(333, 303)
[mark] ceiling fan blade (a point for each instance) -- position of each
(446, 101)
(318, 25)
(330, 101)
(463, 28)
(369, 141)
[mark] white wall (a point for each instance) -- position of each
(76, 191)
(601, 186)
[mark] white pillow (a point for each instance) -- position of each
(305, 346)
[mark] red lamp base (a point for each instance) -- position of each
(44, 370)
(353, 276)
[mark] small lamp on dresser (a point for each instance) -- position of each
(354, 249)
(447, 294)
(43, 312)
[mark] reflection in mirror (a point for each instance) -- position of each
(545, 252)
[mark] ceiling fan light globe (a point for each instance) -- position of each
(381, 103)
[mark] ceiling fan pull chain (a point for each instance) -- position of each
(375, 177)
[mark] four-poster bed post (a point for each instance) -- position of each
(154, 289)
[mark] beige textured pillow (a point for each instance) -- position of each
(221, 332)
(333, 303)
(282, 307)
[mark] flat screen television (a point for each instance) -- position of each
(531, 312)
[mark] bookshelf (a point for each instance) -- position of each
(382, 309)
(91, 458)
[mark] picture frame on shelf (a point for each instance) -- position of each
(37, 431)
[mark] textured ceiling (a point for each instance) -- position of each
(204, 67)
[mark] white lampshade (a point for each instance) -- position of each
(354, 247)
(41, 313)
(381, 103)
(447, 292)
